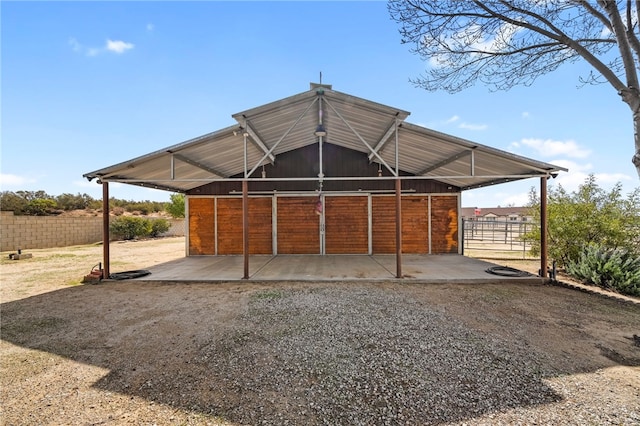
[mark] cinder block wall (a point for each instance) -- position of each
(37, 232)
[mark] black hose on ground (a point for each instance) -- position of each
(128, 275)
(507, 271)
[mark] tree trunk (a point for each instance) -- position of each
(631, 97)
(636, 137)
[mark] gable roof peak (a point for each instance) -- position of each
(320, 86)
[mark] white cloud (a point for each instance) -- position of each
(14, 181)
(525, 114)
(77, 47)
(551, 148)
(150, 27)
(474, 38)
(470, 126)
(118, 46)
(578, 173)
(464, 125)
(114, 46)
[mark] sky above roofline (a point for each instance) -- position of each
(89, 84)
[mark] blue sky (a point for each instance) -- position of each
(85, 85)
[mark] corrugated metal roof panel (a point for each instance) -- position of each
(350, 122)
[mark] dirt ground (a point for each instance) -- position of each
(132, 353)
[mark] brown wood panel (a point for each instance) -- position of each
(415, 224)
(346, 225)
(201, 226)
(260, 225)
(230, 226)
(383, 222)
(298, 225)
(229, 216)
(444, 224)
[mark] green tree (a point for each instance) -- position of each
(587, 216)
(176, 207)
(40, 207)
(10, 201)
(504, 43)
(74, 202)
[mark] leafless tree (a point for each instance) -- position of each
(504, 43)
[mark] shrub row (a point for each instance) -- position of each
(130, 227)
(614, 269)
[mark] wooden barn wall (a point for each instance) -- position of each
(227, 212)
(229, 229)
(383, 224)
(298, 225)
(346, 225)
(415, 224)
(444, 224)
(202, 225)
(337, 162)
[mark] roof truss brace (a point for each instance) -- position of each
(195, 163)
(373, 152)
(257, 141)
(143, 183)
(383, 140)
(446, 161)
(275, 145)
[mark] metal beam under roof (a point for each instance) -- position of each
(350, 122)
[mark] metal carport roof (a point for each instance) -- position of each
(379, 131)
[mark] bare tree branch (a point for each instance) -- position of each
(631, 35)
(504, 43)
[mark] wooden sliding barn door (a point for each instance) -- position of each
(444, 224)
(346, 224)
(415, 224)
(298, 225)
(202, 226)
(229, 225)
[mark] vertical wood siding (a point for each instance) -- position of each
(346, 225)
(298, 225)
(260, 225)
(444, 224)
(201, 226)
(415, 224)
(383, 222)
(230, 226)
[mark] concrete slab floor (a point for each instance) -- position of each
(423, 268)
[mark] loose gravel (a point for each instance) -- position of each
(351, 353)
(347, 356)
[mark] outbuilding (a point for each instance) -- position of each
(323, 172)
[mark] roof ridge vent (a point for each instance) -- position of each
(317, 86)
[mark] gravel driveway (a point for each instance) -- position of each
(305, 353)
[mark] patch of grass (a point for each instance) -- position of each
(267, 294)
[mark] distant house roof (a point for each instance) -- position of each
(497, 211)
(377, 130)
